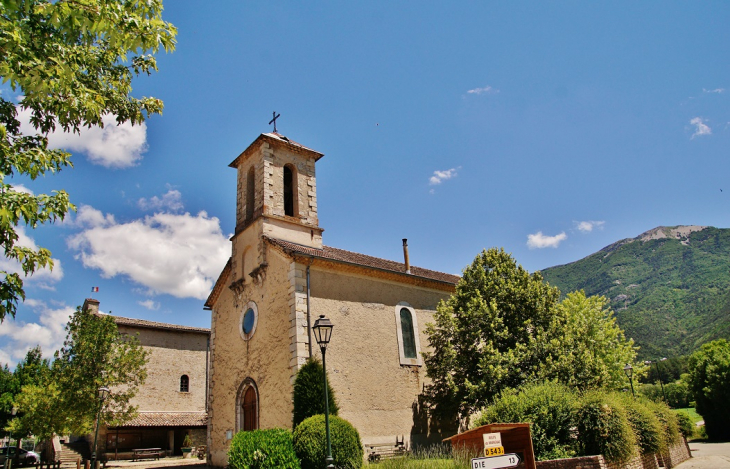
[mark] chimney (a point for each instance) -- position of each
(405, 255)
(92, 305)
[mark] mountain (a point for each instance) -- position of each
(669, 287)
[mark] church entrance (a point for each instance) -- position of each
(248, 406)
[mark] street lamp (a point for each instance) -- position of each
(656, 363)
(8, 462)
(103, 393)
(323, 332)
(629, 370)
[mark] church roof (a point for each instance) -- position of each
(349, 257)
(168, 419)
(276, 139)
(157, 325)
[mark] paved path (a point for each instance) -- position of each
(708, 456)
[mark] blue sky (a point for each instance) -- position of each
(548, 129)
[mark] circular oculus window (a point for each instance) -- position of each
(249, 318)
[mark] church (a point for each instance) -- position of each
(279, 279)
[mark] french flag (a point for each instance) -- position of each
(94, 289)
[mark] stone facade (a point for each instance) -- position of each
(280, 270)
(168, 409)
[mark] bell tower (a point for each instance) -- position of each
(276, 197)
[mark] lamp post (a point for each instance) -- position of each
(629, 370)
(103, 393)
(8, 462)
(323, 332)
(661, 382)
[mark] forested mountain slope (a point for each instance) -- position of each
(669, 287)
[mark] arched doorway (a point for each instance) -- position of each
(248, 406)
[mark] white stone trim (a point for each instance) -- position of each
(249, 305)
(418, 361)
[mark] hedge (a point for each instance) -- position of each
(262, 449)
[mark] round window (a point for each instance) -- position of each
(249, 318)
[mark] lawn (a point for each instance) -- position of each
(691, 413)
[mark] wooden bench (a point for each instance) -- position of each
(147, 453)
(384, 451)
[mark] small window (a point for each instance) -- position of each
(250, 194)
(249, 319)
(409, 349)
(184, 383)
(290, 191)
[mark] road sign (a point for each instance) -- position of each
(493, 451)
(492, 439)
(497, 462)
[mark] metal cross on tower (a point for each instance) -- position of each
(273, 121)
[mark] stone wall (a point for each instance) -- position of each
(677, 454)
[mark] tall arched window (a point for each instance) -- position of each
(250, 193)
(290, 191)
(184, 383)
(409, 349)
(248, 406)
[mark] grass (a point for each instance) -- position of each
(691, 413)
(438, 457)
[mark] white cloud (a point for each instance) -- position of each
(588, 226)
(486, 90)
(172, 200)
(700, 127)
(180, 255)
(149, 304)
(440, 176)
(48, 332)
(540, 241)
(21, 188)
(716, 90)
(42, 278)
(89, 217)
(113, 146)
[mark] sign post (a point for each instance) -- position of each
(496, 462)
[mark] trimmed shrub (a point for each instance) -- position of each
(648, 430)
(260, 449)
(686, 426)
(310, 443)
(603, 427)
(309, 392)
(547, 407)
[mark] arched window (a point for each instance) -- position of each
(247, 403)
(184, 383)
(290, 191)
(250, 194)
(409, 349)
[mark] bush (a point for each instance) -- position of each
(709, 383)
(310, 443)
(647, 428)
(668, 419)
(259, 449)
(309, 392)
(603, 427)
(547, 407)
(686, 425)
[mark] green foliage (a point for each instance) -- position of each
(604, 427)
(670, 295)
(686, 425)
(260, 449)
(486, 337)
(547, 407)
(648, 430)
(677, 393)
(33, 372)
(72, 62)
(586, 348)
(309, 392)
(709, 382)
(310, 443)
(668, 420)
(187, 441)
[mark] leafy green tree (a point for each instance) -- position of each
(72, 61)
(8, 390)
(487, 336)
(94, 354)
(709, 382)
(586, 348)
(309, 392)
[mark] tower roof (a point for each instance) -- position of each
(275, 138)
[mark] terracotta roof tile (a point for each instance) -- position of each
(340, 255)
(168, 419)
(157, 325)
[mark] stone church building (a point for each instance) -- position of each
(279, 279)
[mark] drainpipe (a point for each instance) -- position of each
(405, 255)
(309, 322)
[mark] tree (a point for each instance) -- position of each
(72, 61)
(94, 354)
(309, 392)
(487, 336)
(709, 382)
(586, 349)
